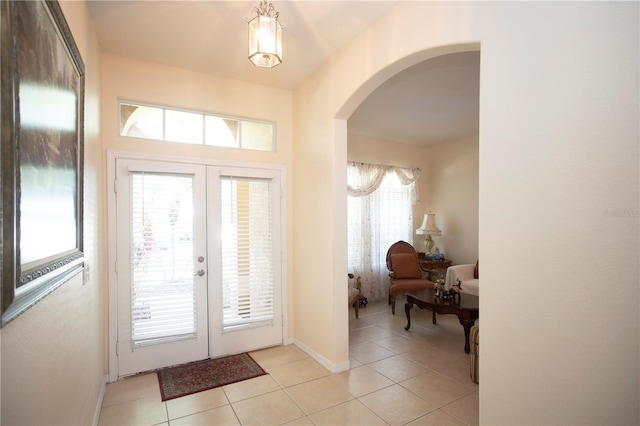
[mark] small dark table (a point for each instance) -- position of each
(465, 307)
(432, 266)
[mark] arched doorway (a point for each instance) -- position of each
(425, 118)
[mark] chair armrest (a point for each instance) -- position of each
(458, 272)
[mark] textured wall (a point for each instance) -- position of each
(53, 355)
(558, 197)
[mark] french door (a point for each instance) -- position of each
(245, 306)
(198, 262)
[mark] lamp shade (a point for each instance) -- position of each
(428, 226)
(265, 41)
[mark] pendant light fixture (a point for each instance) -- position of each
(265, 36)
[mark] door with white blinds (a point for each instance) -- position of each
(198, 262)
(245, 260)
(161, 264)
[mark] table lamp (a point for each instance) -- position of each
(429, 228)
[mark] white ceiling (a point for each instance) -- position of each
(431, 102)
(434, 101)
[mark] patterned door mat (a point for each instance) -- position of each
(198, 376)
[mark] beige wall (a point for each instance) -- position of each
(127, 79)
(452, 193)
(558, 167)
(448, 187)
(53, 355)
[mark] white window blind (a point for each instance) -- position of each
(162, 286)
(247, 253)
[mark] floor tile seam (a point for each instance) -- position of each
(453, 415)
(269, 364)
(433, 371)
(226, 397)
(417, 363)
(435, 404)
(449, 412)
(306, 381)
(244, 399)
(128, 401)
(453, 341)
(257, 396)
(364, 315)
(136, 395)
(325, 408)
(363, 327)
(404, 358)
(361, 340)
(373, 391)
(372, 342)
(132, 400)
(395, 352)
(277, 390)
(274, 377)
(424, 415)
(302, 382)
(402, 334)
(197, 412)
(375, 360)
(387, 346)
(413, 419)
(432, 364)
(358, 396)
(465, 385)
(462, 397)
(387, 377)
(347, 402)
(166, 410)
(312, 363)
(294, 403)
(235, 413)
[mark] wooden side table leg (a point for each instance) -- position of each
(467, 323)
(407, 309)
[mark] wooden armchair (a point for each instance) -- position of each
(405, 271)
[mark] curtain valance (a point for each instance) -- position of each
(364, 178)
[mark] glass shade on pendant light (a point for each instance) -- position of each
(265, 37)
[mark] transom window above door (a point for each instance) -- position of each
(175, 125)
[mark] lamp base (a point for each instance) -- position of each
(428, 244)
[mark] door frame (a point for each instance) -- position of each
(112, 156)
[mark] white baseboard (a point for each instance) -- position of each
(103, 392)
(331, 366)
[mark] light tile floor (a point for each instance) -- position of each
(397, 377)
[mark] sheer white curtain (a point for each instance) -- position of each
(379, 207)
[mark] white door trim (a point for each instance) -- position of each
(112, 156)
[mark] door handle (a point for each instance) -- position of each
(200, 273)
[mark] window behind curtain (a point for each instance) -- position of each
(376, 221)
